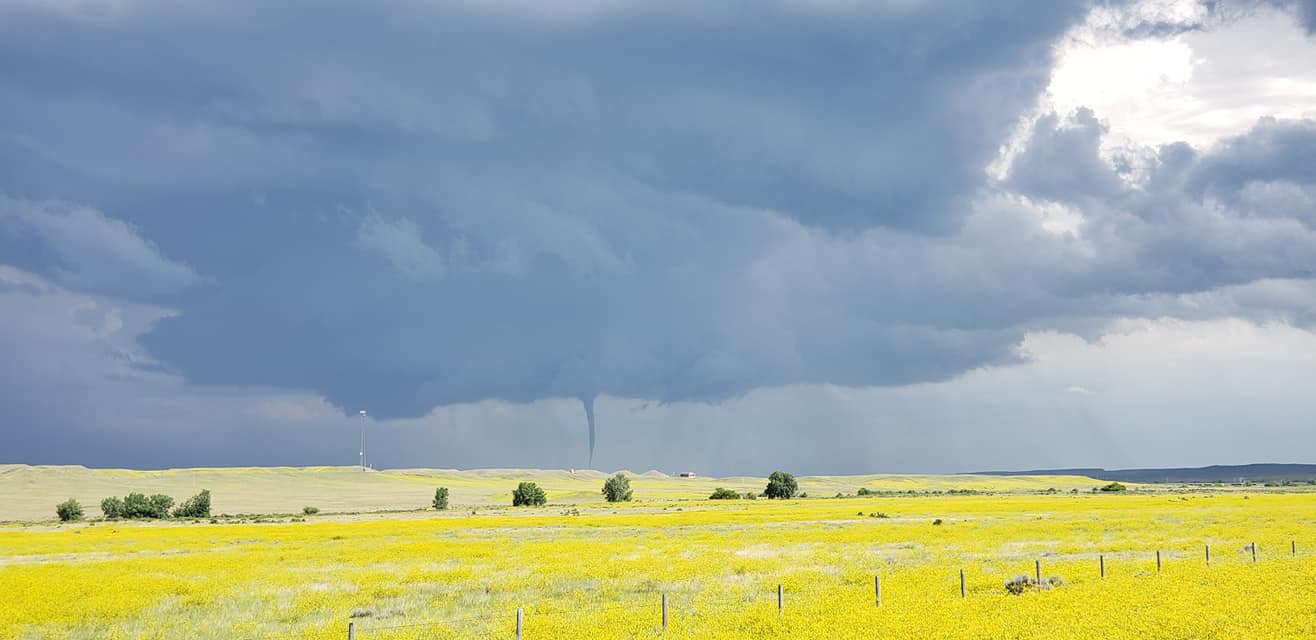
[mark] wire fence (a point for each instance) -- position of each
(655, 609)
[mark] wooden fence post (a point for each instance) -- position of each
(351, 631)
(1293, 547)
(1254, 551)
(1037, 566)
(1102, 560)
(877, 587)
(1208, 555)
(518, 623)
(664, 612)
(781, 599)
(1158, 561)
(963, 593)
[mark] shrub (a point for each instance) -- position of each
(1019, 584)
(1114, 486)
(68, 510)
(136, 505)
(865, 491)
(441, 498)
(112, 507)
(528, 494)
(781, 485)
(617, 489)
(937, 522)
(724, 494)
(310, 511)
(750, 495)
(198, 506)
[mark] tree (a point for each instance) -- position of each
(68, 510)
(441, 498)
(724, 494)
(112, 507)
(198, 506)
(528, 494)
(617, 489)
(781, 485)
(1114, 486)
(136, 505)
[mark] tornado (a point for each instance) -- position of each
(588, 401)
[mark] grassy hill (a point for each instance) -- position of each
(31, 492)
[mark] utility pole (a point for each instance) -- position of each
(363, 439)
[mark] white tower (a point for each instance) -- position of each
(363, 439)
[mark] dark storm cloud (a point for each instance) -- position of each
(1192, 221)
(457, 203)
(416, 204)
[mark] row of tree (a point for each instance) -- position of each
(615, 489)
(781, 485)
(618, 489)
(138, 505)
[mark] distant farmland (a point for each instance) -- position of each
(31, 492)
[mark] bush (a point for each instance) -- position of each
(68, 510)
(617, 489)
(1019, 584)
(198, 506)
(136, 505)
(310, 511)
(937, 522)
(1114, 486)
(724, 494)
(112, 507)
(528, 494)
(865, 491)
(750, 495)
(441, 498)
(781, 485)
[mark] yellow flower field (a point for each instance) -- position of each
(599, 571)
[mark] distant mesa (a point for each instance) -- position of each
(1239, 473)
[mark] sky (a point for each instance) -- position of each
(827, 236)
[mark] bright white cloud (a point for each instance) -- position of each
(1202, 80)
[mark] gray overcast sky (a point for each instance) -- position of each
(832, 236)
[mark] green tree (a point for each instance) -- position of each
(724, 494)
(441, 498)
(617, 489)
(1114, 486)
(781, 485)
(528, 494)
(198, 506)
(68, 510)
(136, 505)
(160, 504)
(112, 507)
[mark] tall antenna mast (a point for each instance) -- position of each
(363, 439)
